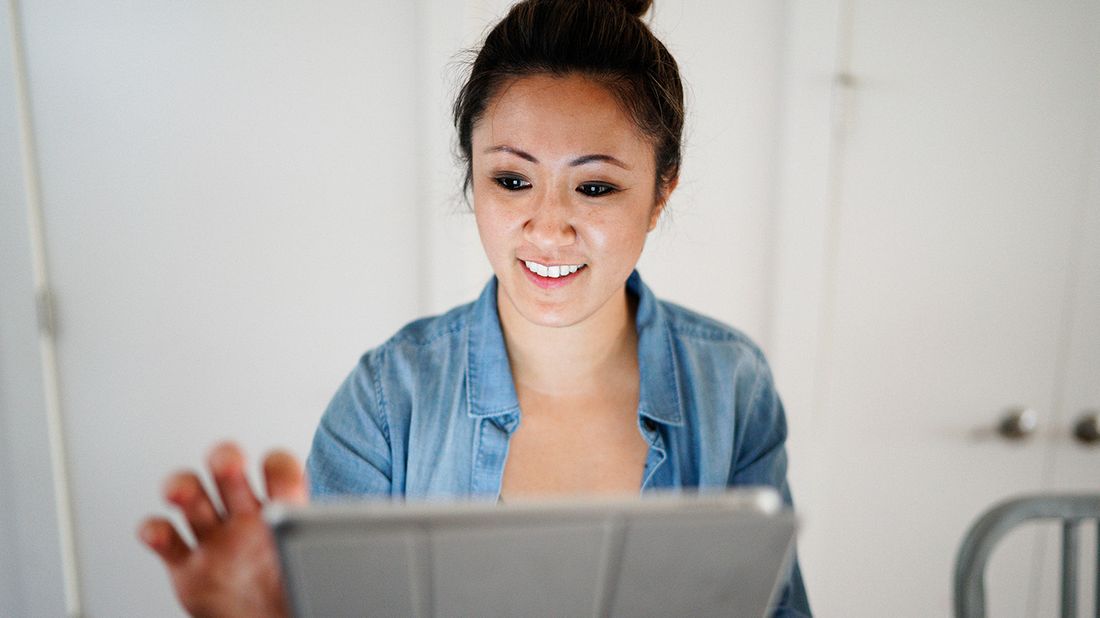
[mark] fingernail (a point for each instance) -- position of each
(222, 461)
(148, 536)
(178, 492)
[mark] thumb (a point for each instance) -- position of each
(285, 478)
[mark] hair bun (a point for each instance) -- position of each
(637, 8)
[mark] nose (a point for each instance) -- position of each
(550, 225)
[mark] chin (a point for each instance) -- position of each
(557, 322)
(549, 317)
(539, 312)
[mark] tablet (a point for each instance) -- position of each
(699, 554)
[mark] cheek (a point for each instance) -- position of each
(623, 236)
(494, 225)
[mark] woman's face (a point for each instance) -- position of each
(563, 186)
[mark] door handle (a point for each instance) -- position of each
(1087, 428)
(1018, 423)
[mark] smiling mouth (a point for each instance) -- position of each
(550, 277)
(552, 272)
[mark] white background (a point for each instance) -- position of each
(238, 199)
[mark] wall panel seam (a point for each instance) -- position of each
(46, 336)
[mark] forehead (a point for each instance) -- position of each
(559, 113)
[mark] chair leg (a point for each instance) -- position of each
(1069, 568)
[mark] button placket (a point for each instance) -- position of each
(491, 451)
(657, 453)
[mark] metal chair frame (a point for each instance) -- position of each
(1072, 509)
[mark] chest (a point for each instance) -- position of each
(575, 445)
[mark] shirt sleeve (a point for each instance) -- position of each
(761, 459)
(351, 454)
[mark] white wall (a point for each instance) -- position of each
(714, 253)
(240, 199)
(225, 237)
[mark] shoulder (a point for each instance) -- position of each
(422, 337)
(695, 332)
(386, 375)
(426, 331)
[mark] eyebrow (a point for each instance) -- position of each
(581, 160)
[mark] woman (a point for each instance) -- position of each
(567, 375)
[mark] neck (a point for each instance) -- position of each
(573, 359)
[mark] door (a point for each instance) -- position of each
(962, 174)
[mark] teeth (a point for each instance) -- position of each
(553, 272)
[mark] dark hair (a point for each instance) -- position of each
(604, 40)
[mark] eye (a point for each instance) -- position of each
(595, 189)
(512, 183)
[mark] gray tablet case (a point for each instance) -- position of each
(714, 554)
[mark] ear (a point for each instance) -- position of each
(662, 199)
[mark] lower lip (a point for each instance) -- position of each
(548, 283)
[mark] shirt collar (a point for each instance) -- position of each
(659, 397)
(489, 387)
(491, 391)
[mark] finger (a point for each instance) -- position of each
(159, 535)
(227, 465)
(184, 490)
(284, 478)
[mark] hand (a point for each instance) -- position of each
(233, 569)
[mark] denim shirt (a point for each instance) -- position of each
(428, 414)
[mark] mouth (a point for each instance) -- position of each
(548, 276)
